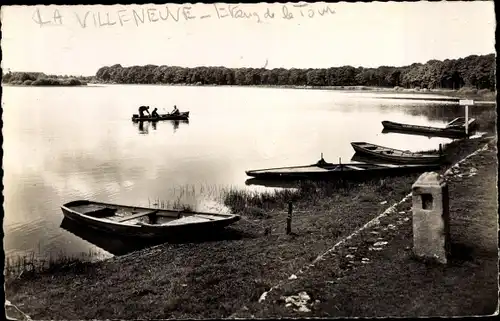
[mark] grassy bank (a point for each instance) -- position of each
(216, 278)
(363, 279)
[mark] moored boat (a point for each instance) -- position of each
(181, 116)
(395, 155)
(452, 132)
(330, 171)
(143, 222)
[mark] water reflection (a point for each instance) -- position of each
(143, 126)
(112, 244)
(446, 113)
(176, 123)
(271, 183)
(121, 245)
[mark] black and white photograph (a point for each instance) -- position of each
(249, 160)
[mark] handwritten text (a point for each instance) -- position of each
(156, 14)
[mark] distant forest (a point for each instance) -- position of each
(41, 79)
(473, 71)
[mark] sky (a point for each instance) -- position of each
(78, 40)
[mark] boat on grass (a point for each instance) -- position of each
(329, 171)
(181, 116)
(144, 222)
(452, 129)
(395, 155)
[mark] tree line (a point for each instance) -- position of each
(473, 71)
(41, 79)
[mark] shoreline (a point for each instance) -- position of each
(445, 93)
(452, 95)
(215, 279)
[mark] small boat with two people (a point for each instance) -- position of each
(154, 116)
(393, 155)
(143, 222)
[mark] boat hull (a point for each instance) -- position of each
(394, 155)
(181, 116)
(147, 231)
(340, 172)
(431, 131)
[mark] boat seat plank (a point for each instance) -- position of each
(187, 220)
(131, 217)
(355, 167)
(207, 217)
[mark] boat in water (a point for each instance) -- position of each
(454, 129)
(395, 155)
(144, 222)
(329, 171)
(181, 116)
(459, 122)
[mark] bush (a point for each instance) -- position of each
(487, 120)
(467, 91)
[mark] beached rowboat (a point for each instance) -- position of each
(329, 171)
(395, 155)
(181, 116)
(142, 221)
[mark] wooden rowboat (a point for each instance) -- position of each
(452, 132)
(395, 155)
(329, 171)
(181, 116)
(142, 221)
(459, 122)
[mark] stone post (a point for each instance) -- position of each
(431, 236)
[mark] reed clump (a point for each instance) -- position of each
(30, 264)
(310, 193)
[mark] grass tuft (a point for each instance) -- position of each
(29, 264)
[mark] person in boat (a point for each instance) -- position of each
(175, 111)
(155, 113)
(321, 161)
(143, 109)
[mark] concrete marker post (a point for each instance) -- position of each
(431, 221)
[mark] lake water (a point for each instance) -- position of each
(63, 144)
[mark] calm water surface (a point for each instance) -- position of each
(62, 144)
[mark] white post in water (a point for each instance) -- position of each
(466, 103)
